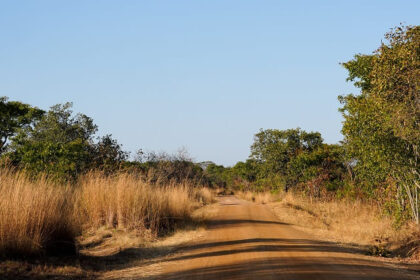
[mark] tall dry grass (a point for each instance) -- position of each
(35, 216)
(127, 202)
(39, 216)
(350, 221)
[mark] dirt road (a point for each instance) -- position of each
(245, 241)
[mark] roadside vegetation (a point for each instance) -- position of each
(352, 222)
(39, 216)
(36, 216)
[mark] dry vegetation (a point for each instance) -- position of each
(258, 197)
(345, 221)
(38, 216)
(125, 202)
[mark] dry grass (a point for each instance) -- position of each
(258, 197)
(126, 202)
(205, 195)
(19, 270)
(344, 221)
(36, 216)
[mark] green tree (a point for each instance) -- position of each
(273, 149)
(381, 125)
(15, 115)
(59, 144)
(322, 169)
(247, 170)
(218, 175)
(107, 155)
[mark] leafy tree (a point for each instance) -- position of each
(107, 154)
(15, 115)
(320, 170)
(58, 144)
(241, 176)
(218, 175)
(381, 127)
(247, 170)
(273, 149)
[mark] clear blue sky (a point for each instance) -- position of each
(204, 75)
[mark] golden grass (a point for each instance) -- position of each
(258, 197)
(205, 195)
(35, 215)
(38, 215)
(344, 221)
(126, 202)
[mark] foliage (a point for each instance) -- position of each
(320, 170)
(218, 175)
(381, 127)
(59, 144)
(274, 148)
(284, 159)
(15, 115)
(107, 155)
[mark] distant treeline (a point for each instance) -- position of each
(378, 158)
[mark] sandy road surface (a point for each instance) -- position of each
(245, 241)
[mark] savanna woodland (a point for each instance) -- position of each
(60, 183)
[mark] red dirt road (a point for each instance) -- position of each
(245, 241)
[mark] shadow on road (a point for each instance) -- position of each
(282, 268)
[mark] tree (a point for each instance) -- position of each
(15, 115)
(320, 170)
(247, 170)
(381, 125)
(218, 175)
(274, 148)
(107, 154)
(59, 144)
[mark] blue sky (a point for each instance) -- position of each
(204, 75)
